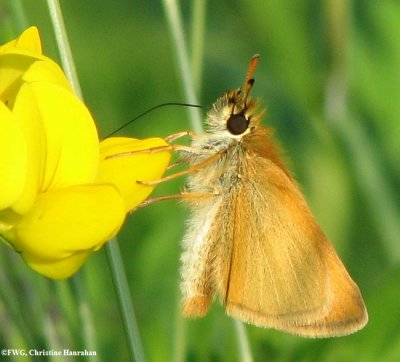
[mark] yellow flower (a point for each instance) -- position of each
(123, 171)
(61, 195)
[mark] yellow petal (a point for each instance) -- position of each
(29, 40)
(12, 67)
(15, 58)
(57, 268)
(27, 117)
(68, 221)
(124, 169)
(13, 154)
(72, 149)
(47, 71)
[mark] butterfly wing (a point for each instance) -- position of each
(282, 271)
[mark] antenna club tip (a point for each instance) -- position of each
(252, 66)
(254, 60)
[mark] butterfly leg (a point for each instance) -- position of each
(178, 135)
(182, 196)
(176, 163)
(146, 151)
(190, 170)
(168, 147)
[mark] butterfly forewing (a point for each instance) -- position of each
(283, 273)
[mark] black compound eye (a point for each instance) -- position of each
(237, 124)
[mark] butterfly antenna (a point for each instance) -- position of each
(249, 81)
(151, 110)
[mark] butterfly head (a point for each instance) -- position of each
(235, 114)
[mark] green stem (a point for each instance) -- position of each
(64, 48)
(174, 22)
(88, 332)
(124, 300)
(179, 337)
(244, 346)
(197, 41)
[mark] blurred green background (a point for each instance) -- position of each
(330, 78)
